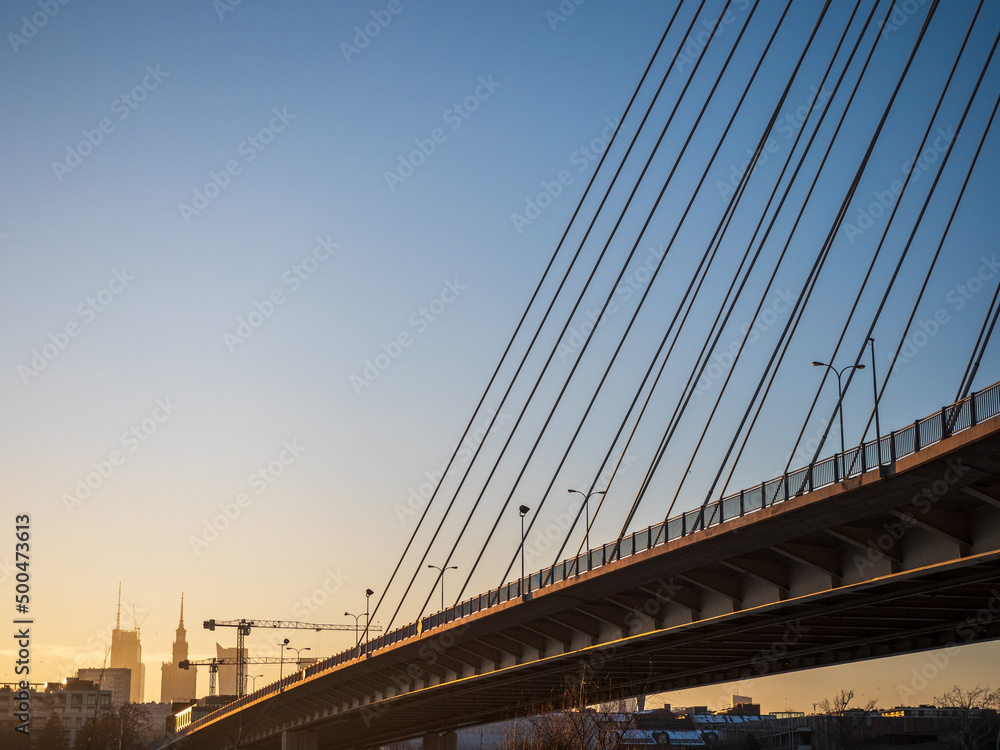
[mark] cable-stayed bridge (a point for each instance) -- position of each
(816, 182)
(797, 573)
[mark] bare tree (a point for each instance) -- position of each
(973, 722)
(571, 725)
(847, 721)
(124, 727)
(578, 729)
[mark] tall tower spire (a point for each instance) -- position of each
(177, 684)
(181, 637)
(118, 617)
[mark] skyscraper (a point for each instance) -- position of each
(178, 684)
(126, 652)
(227, 670)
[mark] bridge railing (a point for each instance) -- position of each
(882, 451)
(874, 454)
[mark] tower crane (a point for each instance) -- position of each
(214, 664)
(243, 628)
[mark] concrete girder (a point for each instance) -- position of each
(503, 643)
(549, 629)
(824, 560)
(525, 637)
(589, 626)
(863, 539)
(725, 586)
(451, 664)
(686, 597)
(980, 494)
(950, 526)
(612, 616)
(772, 573)
(482, 650)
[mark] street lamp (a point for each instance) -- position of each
(254, 678)
(281, 661)
(357, 634)
(840, 393)
(586, 506)
(523, 511)
(441, 576)
(297, 650)
(368, 595)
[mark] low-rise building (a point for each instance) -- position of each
(74, 701)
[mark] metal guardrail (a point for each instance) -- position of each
(951, 419)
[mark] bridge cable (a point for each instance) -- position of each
(847, 109)
(923, 209)
(635, 246)
(696, 372)
(522, 320)
(569, 269)
(840, 219)
(696, 282)
(707, 256)
(847, 323)
(548, 361)
(889, 224)
(979, 349)
(576, 305)
(773, 375)
(810, 283)
(770, 282)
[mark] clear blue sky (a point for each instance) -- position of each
(220, 221)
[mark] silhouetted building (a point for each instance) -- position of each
(126, 653)
(178, 684)
(75, 702)
(117, 680)
(227, 670)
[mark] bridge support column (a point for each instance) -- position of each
(299, 741)
(446, 741)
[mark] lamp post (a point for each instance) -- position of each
(357, 633)
(878, 430)
(281, 661)
(441, 576)
(523, 511)
(368, 594)
(297, 650)
(254, 678)
(586, 506)
(840, 394)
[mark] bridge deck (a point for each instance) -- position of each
(881, 563)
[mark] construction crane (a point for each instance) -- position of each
(214, 664)
(243, 628)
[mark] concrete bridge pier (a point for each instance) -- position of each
(299, 741)
(446, 741)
